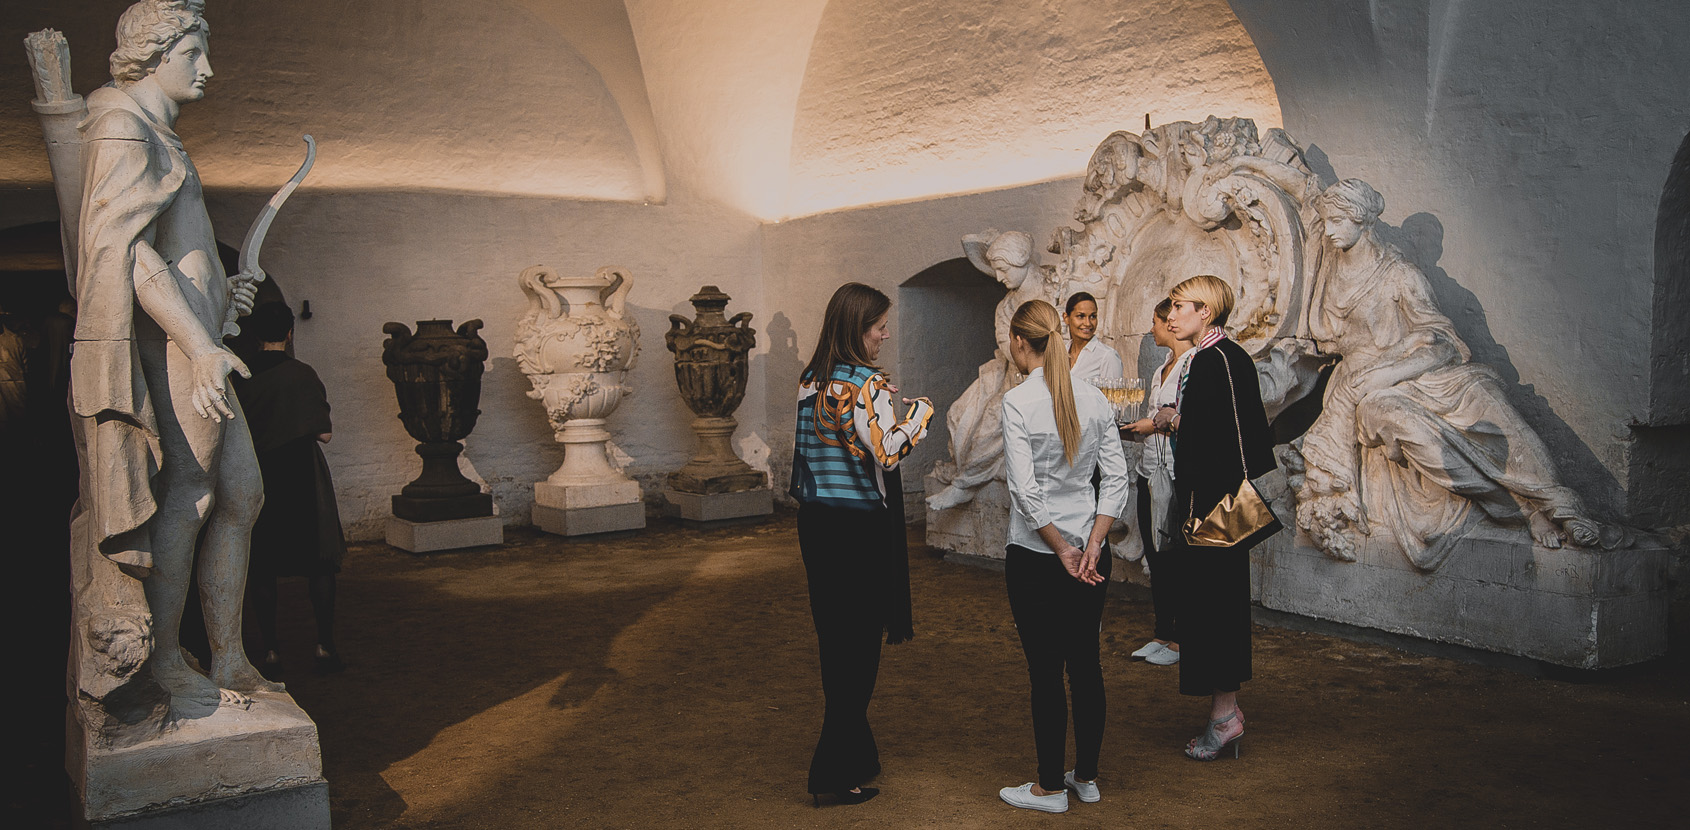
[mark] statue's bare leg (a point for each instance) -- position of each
(224, 557)
(189, 445)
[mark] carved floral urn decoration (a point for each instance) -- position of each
(436, 373)
(710, 368)
(576, 343)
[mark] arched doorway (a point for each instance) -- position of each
(944, 334)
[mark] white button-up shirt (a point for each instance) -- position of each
(1043, 487)
(1158, 453)
(1096, 361)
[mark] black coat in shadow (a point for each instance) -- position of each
(1211, 585)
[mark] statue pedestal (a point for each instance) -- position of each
(1588, 609)
(979, 527)
(581, 509)
(712, 507)
(451, 534)
(249, 768)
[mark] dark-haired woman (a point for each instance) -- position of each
(851, 526)
(1057, 434)
(1220, 432)
(1088, 357)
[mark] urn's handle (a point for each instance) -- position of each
(533, 281)
(741, 320)
(615, 295)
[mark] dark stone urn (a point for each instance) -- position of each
(710, 367)
(437, 375)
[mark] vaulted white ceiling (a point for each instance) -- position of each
(775, 108)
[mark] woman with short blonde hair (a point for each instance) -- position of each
(1221, 437)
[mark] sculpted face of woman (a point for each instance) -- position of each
(878, 333)
(1188, 320)
(1082, 321)
(1343, 231)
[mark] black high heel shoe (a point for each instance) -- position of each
(847, 796)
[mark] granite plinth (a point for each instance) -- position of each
(620, 491)
(197, 762)
(710, 507)
(431, 509)
(978, 527)
(304, 807)
(426, 537)
(1588, 609)
(583, 521)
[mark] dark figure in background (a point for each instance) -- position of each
(298, 532)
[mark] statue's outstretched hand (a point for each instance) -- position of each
(211, 376)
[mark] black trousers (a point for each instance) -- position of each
(1057, 617)
(847, 565)
(1161, 570)
(1212, 603)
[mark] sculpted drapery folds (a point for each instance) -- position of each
(1412, 436)
(975, 420)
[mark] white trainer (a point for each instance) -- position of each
(1023, 797)
(1148, 649)
(1165, 657)
(1086, 790)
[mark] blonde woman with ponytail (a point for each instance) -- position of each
(1056, 434)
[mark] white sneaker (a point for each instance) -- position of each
(1165, 657)
(1023, 797)
(1086, 790)
(1148, 649)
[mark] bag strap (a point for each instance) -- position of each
(1233, 391)
(1235, 422)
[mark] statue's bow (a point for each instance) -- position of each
(250, 272)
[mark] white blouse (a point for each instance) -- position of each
(1096, 361)
(1043, 487)
(1158, 453)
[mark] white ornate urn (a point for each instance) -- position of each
(575, 343)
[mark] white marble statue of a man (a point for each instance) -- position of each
(167, 449)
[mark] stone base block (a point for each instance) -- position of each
(426, 537)
(287, 808)
(614, 492)
(979, 527)
(1588, 609)
(472, 506)
(265, 758)
(710, 507)
(586, 520)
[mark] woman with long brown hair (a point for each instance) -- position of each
(851, 526)
(1057, 434)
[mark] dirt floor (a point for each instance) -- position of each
(669, 679)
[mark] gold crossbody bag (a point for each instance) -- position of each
(1238, 515)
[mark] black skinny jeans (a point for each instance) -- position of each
(847, 566)
(1057, 617)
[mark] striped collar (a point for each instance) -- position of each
(1214, 335)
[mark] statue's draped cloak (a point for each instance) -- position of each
(1421, 452)
(133, 169)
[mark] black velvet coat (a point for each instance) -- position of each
(1206, 459)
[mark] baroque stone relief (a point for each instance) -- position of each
(1414, 443)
